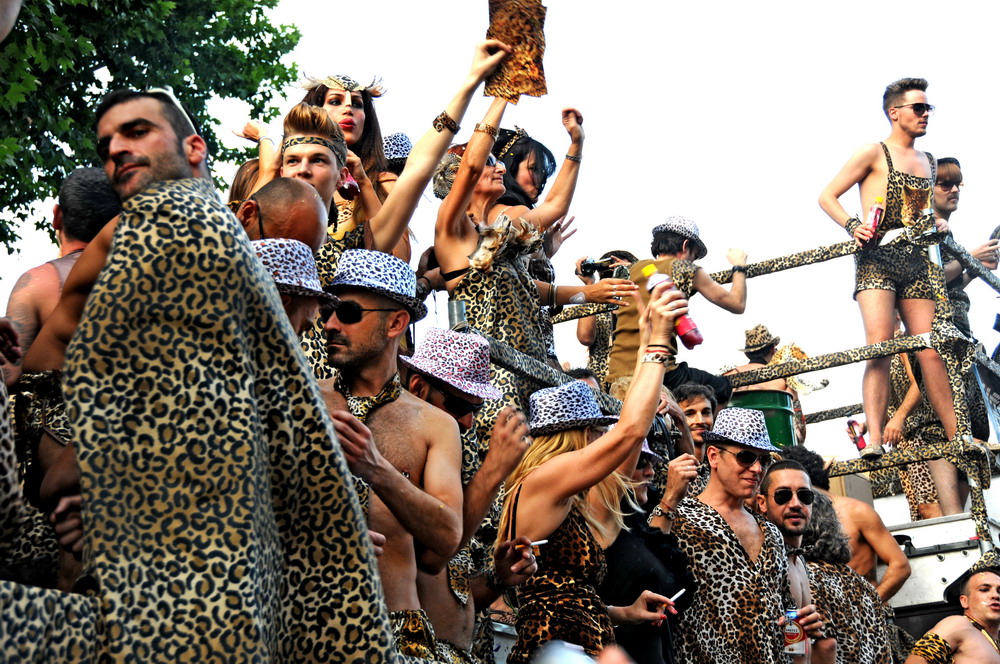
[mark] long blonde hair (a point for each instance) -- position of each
(547, 446)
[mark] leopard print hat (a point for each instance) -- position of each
(687, 228)
(742, 426)
(569, 406)
(461, 359)
(292, 266)
(380, 273)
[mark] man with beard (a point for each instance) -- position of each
(207, 463)
(697, 402)
(406, 452)
(972, 637)
(785, 499)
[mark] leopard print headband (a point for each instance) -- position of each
(338, 149)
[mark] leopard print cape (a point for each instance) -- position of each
(221, 523)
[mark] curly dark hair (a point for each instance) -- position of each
(824, 538)
(812, 462)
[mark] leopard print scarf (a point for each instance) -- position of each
(362, 407)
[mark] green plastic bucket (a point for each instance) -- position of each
(777, 408)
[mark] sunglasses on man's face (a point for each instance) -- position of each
(348, 312)
(454, 405)
(783, 496)
(919, 108)
(746, 458)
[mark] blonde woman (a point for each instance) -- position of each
(568, 490)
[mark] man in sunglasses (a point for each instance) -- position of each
(405, 452)
(785, 499)
(451, 371)
(736, 556)
(892, 271)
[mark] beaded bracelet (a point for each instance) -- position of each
(575, 157)
(488, 129)
(443, 122)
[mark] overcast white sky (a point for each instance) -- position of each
(735, 114)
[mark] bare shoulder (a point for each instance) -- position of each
(953, 629)
(428, 418)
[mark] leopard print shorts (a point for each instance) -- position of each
(899, 266)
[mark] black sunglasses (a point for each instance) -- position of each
(455, 405)
(348, 311)
(806, 496)
(948, 185)
(919, 108)
(746, 458)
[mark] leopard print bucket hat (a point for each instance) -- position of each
(742, 426)
(461, 359)
(380, 273)
(292, 266)
(569, 406)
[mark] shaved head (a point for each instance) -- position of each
(285, 208)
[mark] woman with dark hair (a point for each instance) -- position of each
(568, 490)
(528, 165)
(483, 262)
(350, 105)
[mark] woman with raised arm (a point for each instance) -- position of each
(350, 105)
(484, 263)
(568, 490)
(529, 164)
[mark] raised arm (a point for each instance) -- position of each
(452, 222)
(571, 473)
(733, 300)
(557, 201)
(886, 548)
(389, 224)
(853, 172)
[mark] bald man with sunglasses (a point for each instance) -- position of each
(737, 557)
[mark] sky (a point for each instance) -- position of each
(734, 114)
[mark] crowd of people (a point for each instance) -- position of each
(225, 443)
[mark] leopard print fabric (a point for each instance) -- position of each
(933, 648)
(413, 634)
(220, 516)
(26, 537)
(734, 614)
(560, 600)
(900, 265)
(502, 302)
(600, 351)
(852, 613)
(327, 259)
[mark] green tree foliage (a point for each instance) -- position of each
(63, 55)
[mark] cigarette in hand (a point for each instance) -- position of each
(677, 596)
(533, 544)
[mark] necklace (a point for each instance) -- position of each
(984, 632)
